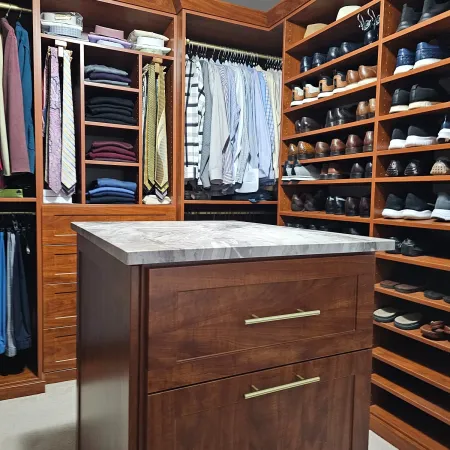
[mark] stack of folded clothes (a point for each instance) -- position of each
(146, 41)
(109, 37)
(108, 190)
(111, 151)
(110, 110)
(62, 23)
(106, 75)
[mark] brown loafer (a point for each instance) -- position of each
(334, 173)
(362, 111)
(352, 79)
(305, 150)
(372, 107)
(354, 145)
(292, 153)
(368, 142)
(337, 147)
(322, 150)
(367, 74)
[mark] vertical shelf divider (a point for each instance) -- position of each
(82, 133)
(140, 158)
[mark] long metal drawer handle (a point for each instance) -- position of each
(258, 393)
(297, 315)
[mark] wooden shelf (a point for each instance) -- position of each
(314, 182)
(18, 200)
(417, 111)
(429, 224)
(352, 59)
(229, 202)
(338, 158)
(119, 126)
(421, 179)
(110, 86)
(111, 163)
(425, 148)
(415, 369)
(20, 385)
(324, 216)
(428, 407)
(346, 126)
(432, 262)
(417, 297)
(328, 100)
(416, 335)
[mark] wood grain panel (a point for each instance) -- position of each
(60, 305)
(284, 8)
(60, 348)
(59, 263)
(215, 415)
(60, 376)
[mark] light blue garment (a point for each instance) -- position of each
(2, 293)
(23, 44)
(111, 182)
(115, 191)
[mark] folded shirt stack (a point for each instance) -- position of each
(109, 37)
(110, 191)
(111, 151)
(110, 110)
(148, 42)
(106, 75)
(62, 23)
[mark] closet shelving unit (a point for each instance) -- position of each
(411, 380)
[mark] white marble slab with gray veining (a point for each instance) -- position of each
(153, 243)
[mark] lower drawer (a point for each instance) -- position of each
(60, 263)
(60, 305)
(60, 348)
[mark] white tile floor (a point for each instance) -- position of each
(47, 421)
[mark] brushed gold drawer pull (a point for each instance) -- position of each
(297, 315)
(259, 393)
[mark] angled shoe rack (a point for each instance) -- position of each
(411, 380)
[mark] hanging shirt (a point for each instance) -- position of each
(2, 293)
(206, 142)
(4, 149)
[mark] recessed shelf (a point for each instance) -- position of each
(419, 179)
(111, 125)
(344, 181)
(90, 162)
(416, 111)
(324, 216)
(110, 86)
(229, 202)
(18, 200)
(429, 224)
(424, 148)
(433, 262)
(337, 158)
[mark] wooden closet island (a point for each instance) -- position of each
(223, 336)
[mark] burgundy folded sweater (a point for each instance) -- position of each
(110, 155)
(113, 149)
(124, 145)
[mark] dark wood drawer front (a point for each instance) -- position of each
(60, 263)
(327, 408)
(219, 322)
(60, 348)
(60, 305)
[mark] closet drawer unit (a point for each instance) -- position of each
(60, 348)
(214, 321)
(60, 263)
(60, 305)
(321, 404)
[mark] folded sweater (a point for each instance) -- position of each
(111, 101)
(100, 109)
(104, 69)
(112, 149)
(111, 182)
(112, 118)
(109, 76)
(111, 156)
(125, 145)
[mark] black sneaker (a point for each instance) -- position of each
(411, 248)
(340, 206)
(409, 17)
(395, 168)
(414, 168)
(421, 97)
(368, 171)
(442, 208)
(419, 135)
(393, 209)
(398, 138)
(400, 101)
(432, 8)
(444, 133)
(398, 246)
(416, 208)
(318, 59)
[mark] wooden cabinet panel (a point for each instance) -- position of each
(60, 348)
(60, 305)
(60, 263)
(199, 317)
(321, 415)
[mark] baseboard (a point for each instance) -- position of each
(60, 375)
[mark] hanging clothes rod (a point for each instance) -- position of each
(13, 213)
(233, 50)
(11, 7)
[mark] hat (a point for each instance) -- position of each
(346, 10)
(313, 28)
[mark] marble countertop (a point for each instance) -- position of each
(154, 243)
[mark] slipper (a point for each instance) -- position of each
(447, 298)
(385, 315)
(437, 334)
(408, 288)
(409, 321)
(433, 295)
(388, 284)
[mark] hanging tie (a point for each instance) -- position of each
(150, 129)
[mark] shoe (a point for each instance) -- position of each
(311, 93)
(405, 61)
(330, 119)
(298, 96)
(326, 86)
(404, 288)
(357, 171)
(340, 81)
(371, 36)
(352, 79)
(368, 170)
(414, 169)
(411, 248)
(409, 17)
(422, 97)
(315, 202)
(428, 53)
(318, 59)
(340, 206)
(305, 64)
(368, 142)
(398, 139)
(442, 207)
(337, 147)
(395, 169)
(433, 295)
(347, 47)
(297, 203)
(362, 111)
(367, 74)
(324, 172)
(409, 321)
(372, 107)
(432, 8)
(305, 150)
(322, 150)
(305, 172)
(444, 133)
(292, 153)
(333, 53)
(393, 209)
(419, 136)
(400, 101)
(364, 207)
(351, 207)
(306, 124)
(354, 145)
(330, 205)
(416, 208)
(441, 166)
(288, 171)
(345, 114)
(334, 173)
(386, 314)
(434, 331)
(398, 246)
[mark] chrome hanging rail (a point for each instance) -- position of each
(11, 7)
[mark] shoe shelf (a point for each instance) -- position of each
(413, 368)
(417, 297)
(428, 224)
(439, 108)
(425, 148)
(324, 216)
(419, 179)
(338, 158)
(432, 262)
(229, 202)
(111, 163)
(319, 182)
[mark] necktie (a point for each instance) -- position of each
(68, 173)
(150, 125)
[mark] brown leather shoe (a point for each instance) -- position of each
(372, 107)
(352, 79)
(368, 142)
(326, 86)
(324, 172)
(292, 153)
(337, 147)
(362, 111)
(298, 96)
(305, 150)
(367, 74)
(340, 81)
(334, 173)
(311, 93)
(354, 145)
(322, 150)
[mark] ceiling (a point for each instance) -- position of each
(263, 5)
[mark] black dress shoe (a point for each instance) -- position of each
(371, 36)
(347, 47)
(330, 119)
(357, 171)
(395, 168)
(315, 202)
(368, 171)
(400, 101)
(364, 207)
(409, 17)
(306, 124)
(398, 246)
(318, 59)
(345, 114)
(351, 207)
(340, 206)
(305, 63)
(432, 8)
(411, 248)
(414, 169)
(330, 205)
(297, 203)
(333, 53)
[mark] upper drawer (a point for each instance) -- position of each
(60, 305)
(60, 263)
(221, 320)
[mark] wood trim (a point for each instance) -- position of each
(60, 376)
(279, 12)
